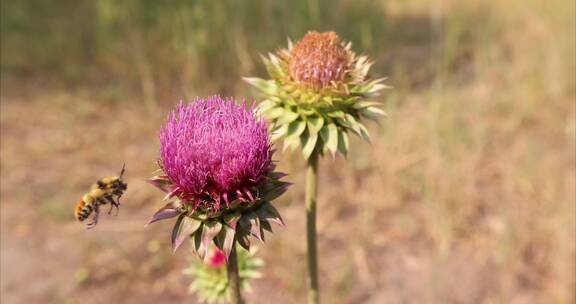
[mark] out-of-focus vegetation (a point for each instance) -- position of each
(466, 195)
(160, 46)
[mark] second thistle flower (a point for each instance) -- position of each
(318, 92)
(217, 167)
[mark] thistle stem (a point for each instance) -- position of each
(233, 277)
(311, 190)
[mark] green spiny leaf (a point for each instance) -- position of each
(364, 133)
(373, 86)
(231, 219)
(274, 113)
(187, 227)
(265, 226)
(209, 231)
(328, 99)
(296, 128)
(357, 127)
(273, 66)
(306, 111)
(197, 243)
(286, 117)
(308, 142)
(176, 230)
(243, 238)
(170, 210)
(267, 87)
(274, 193)
(275, 175)
(290, 102)
(161, 182)
(315, 123)
(373, 113)
(251, 222)
(366, 104)
(343, 142)
(267, 212)
(337, 114)
(279, 133)
(352, 123)
(266, 105)
(329, 134)
(375, 90)
(291, 143)
(362, 67)
(225, 239)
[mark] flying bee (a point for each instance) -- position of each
(107, 190)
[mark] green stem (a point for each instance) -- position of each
(311, 190)
(233, 277)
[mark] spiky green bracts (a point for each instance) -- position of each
(319, 91)
(210, 281)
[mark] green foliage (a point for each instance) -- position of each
(211, 283)
(201, 46)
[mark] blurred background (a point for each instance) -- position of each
(466, 195)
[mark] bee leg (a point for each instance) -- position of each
(96, 213)
(92, 223)
(110, 200)
(118, 192)
(117, 205)
(95, 217)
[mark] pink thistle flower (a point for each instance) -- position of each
(214, 151)
(216, 160)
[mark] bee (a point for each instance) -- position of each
(107, 190)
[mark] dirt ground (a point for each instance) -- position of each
(376, 245)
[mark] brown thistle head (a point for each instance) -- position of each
(318, 60)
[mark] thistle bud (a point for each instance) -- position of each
(217, 258)
(318, 92)
(210, 281)
(318, 60)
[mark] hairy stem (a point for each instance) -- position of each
(311, 190)
(233, 277)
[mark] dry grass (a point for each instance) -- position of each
(467, 194)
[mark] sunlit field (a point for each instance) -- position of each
(466, 194)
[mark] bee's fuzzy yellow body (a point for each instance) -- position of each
(107, 190)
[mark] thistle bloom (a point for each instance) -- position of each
(214, 151)
(318, 92)
(217, 168)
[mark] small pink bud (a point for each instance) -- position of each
(217, 258)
